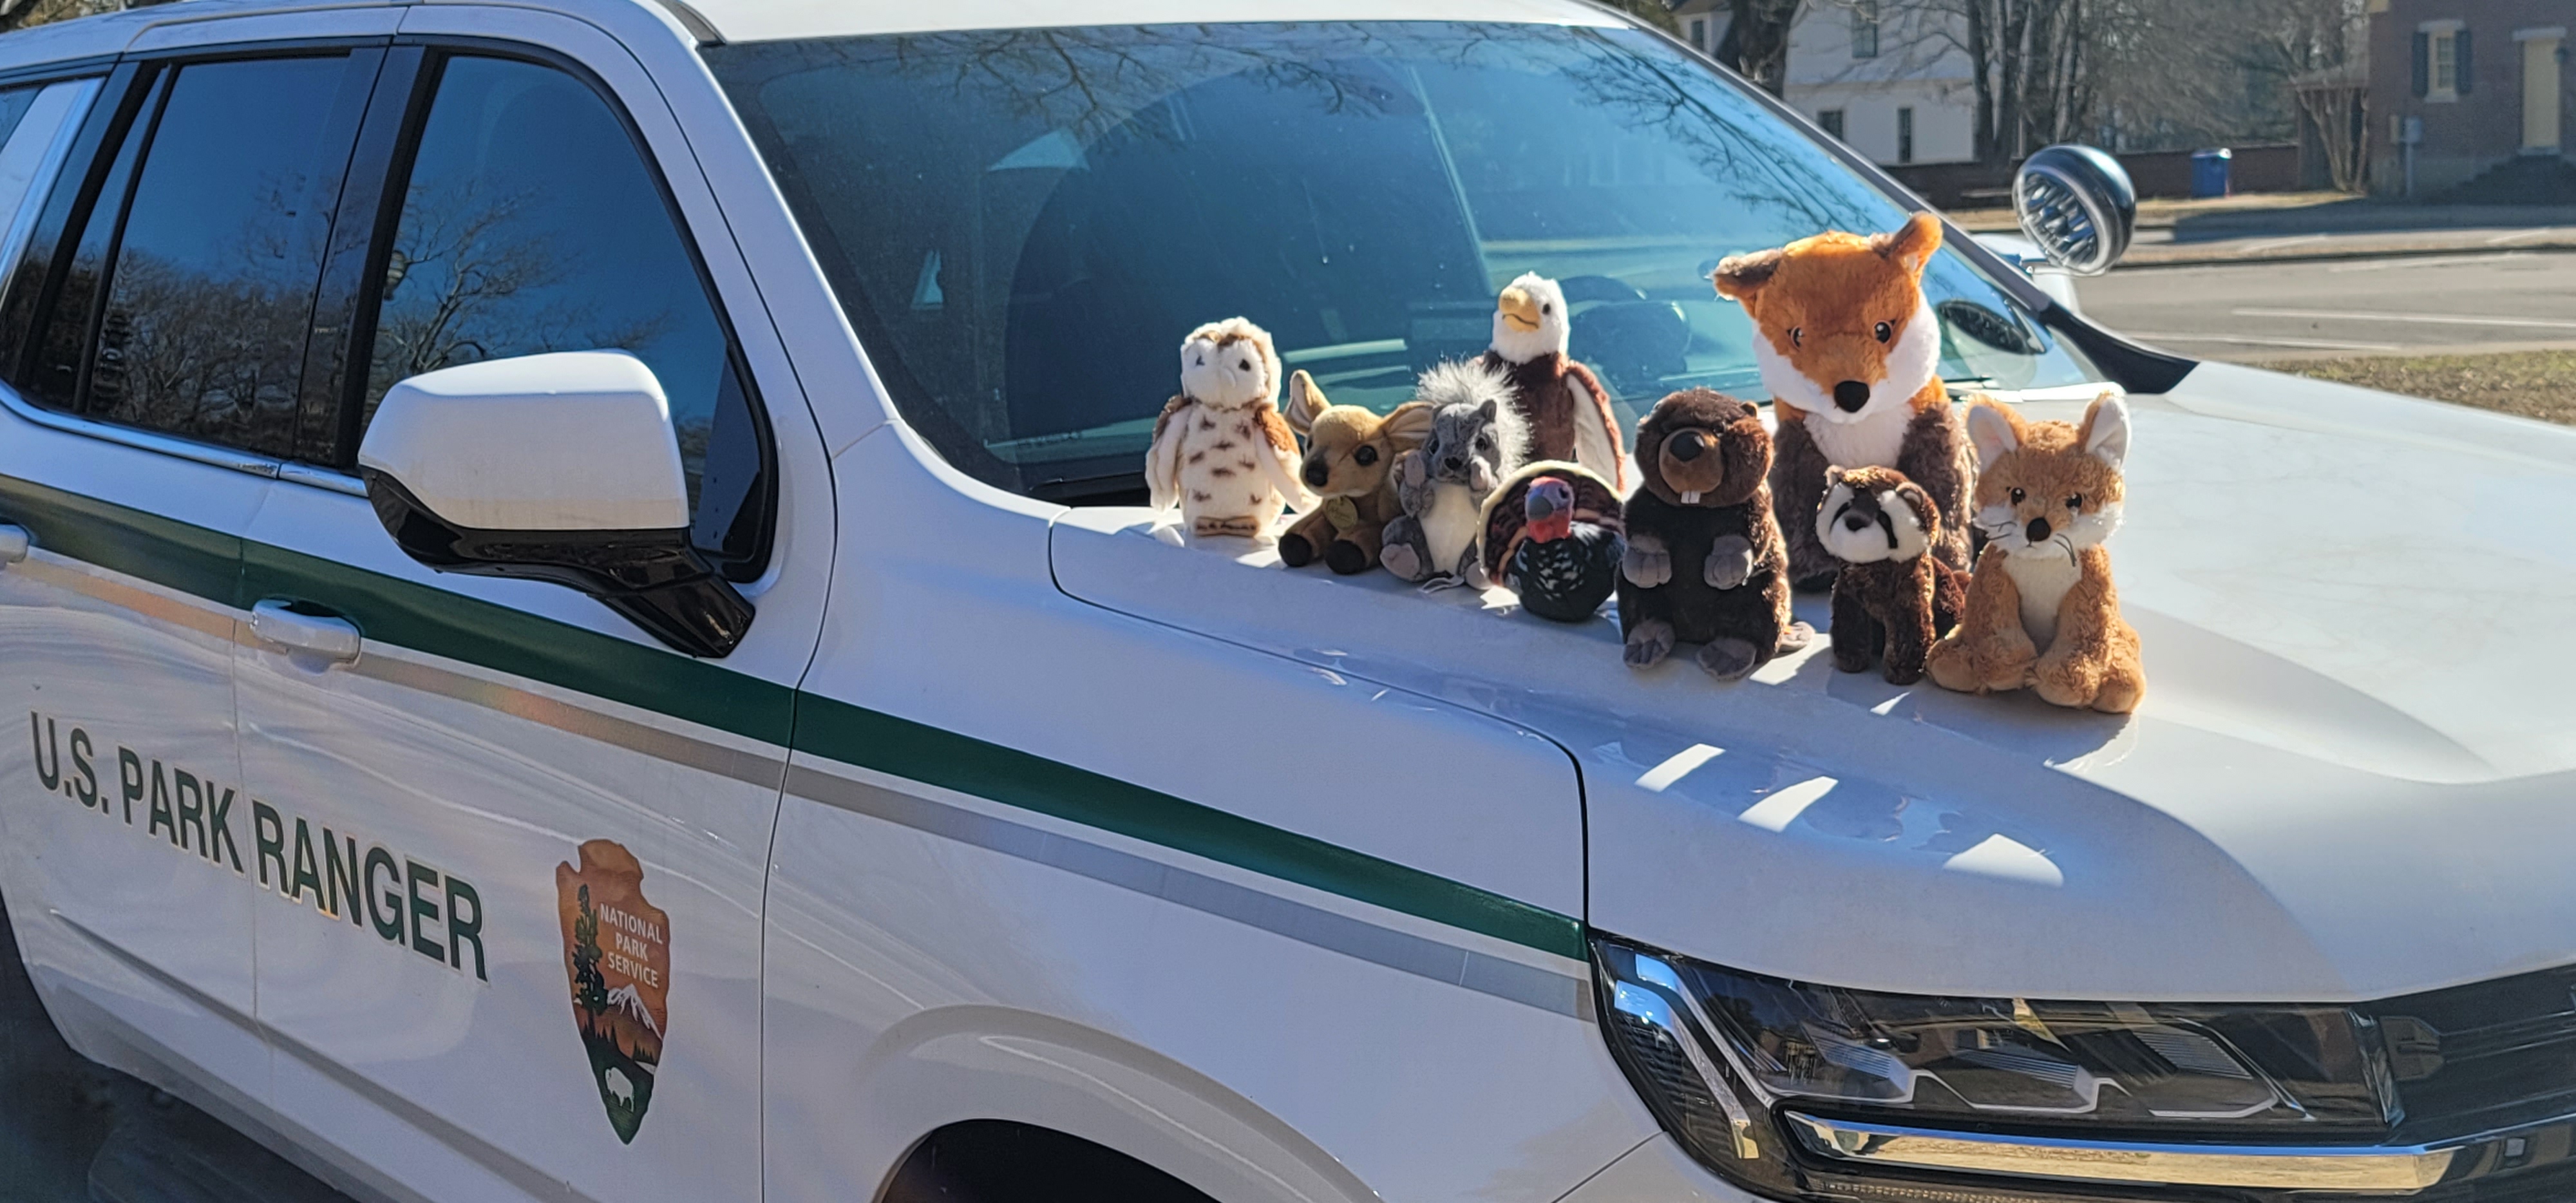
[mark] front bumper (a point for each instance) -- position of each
(2342, 1170)
(2486, 1170)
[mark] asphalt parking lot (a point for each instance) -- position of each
(72, 1132)
(2457, 303)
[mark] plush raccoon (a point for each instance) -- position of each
(1890, 598)
(1477, 439)
(1221, 451)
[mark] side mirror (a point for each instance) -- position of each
(2077, 203)
(561, 468)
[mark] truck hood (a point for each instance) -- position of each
(2354, 774)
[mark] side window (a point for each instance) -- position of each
(183, 304)
(203, 332)
(530, 223)
(62, 294)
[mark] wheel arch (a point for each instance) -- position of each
(1061, 1089)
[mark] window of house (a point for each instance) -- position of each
(530, 223)
(1905, 135)
(1699, 33)
(2442, 70)
(1864, 29)
(1832, 121)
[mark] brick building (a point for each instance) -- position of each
(2487, 86)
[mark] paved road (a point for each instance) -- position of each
(2477, 301)
(72, 1132)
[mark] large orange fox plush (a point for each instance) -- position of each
(1848, 348)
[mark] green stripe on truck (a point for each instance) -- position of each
(408, 614)
(934, 756)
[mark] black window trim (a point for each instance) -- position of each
(36, 75)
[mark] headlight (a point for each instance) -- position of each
(1784, 1085)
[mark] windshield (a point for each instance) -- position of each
(1023, 224)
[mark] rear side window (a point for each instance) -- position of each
(180, 296)
(531, 223)
(203, 331)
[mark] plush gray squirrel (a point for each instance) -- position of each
(1477, 441)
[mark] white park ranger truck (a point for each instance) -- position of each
(576, 576)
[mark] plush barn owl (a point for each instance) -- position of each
(1221, 451)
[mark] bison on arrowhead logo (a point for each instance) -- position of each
(617, 950)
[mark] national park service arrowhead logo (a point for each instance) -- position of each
(617, 949)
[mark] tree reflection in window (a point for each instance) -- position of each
(1022, 223)
(531, 224)
(203, 331)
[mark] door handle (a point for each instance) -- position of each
(278, 621)
(14, 542)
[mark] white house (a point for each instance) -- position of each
(1886, 78)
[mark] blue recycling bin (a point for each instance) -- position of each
(2209, 172)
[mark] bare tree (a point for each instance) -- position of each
(1657, 13)
(24, 14)
(1757, 41)
(2198, 72)
(2335, 101)
(2031, 63)
(2132, 74)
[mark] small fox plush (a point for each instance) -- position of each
(1350, 457)
(1849, 349)
(1220, 451)
(2041, 608)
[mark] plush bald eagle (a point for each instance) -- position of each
(1553, 535)
(1564, 405)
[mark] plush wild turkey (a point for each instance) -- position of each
(1553, 535)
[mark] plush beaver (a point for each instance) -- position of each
(1705, 563)
(1890, 597)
